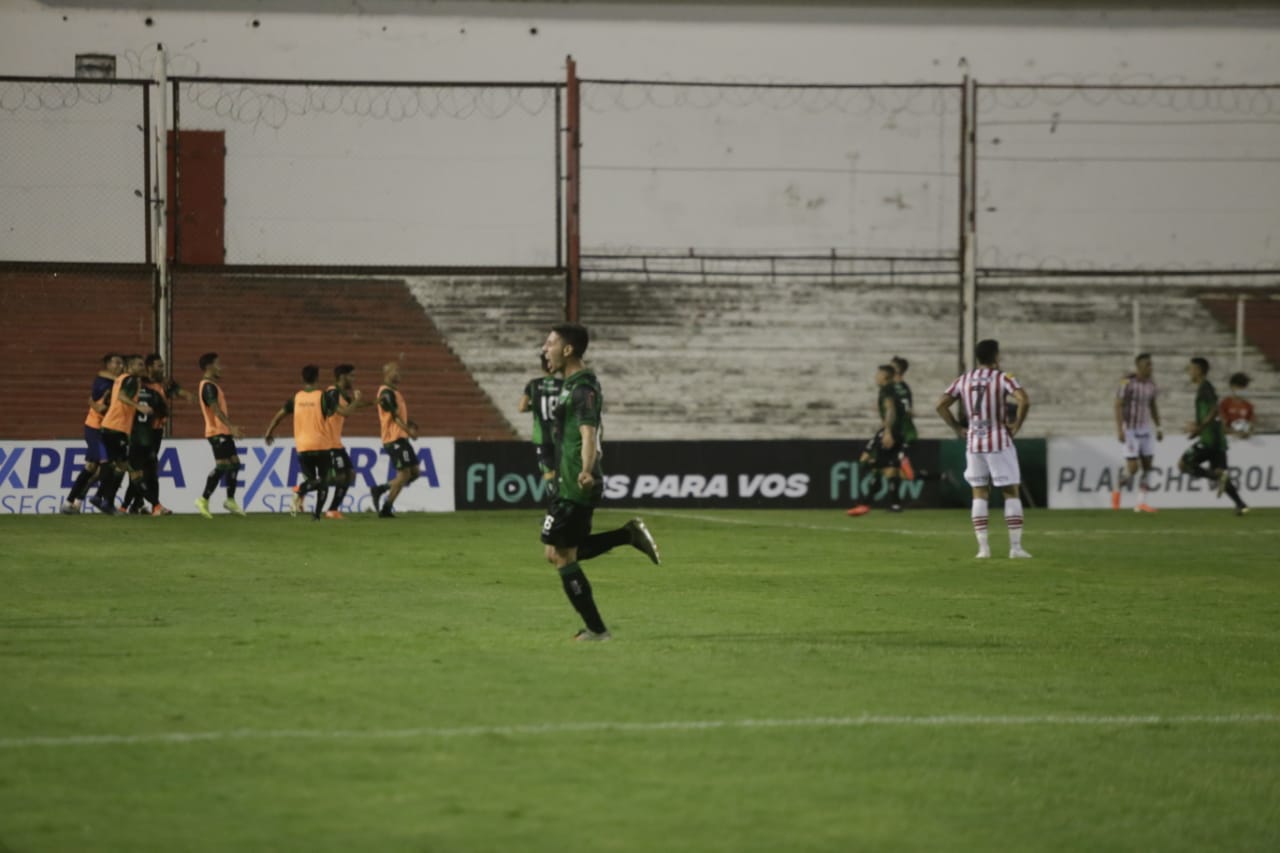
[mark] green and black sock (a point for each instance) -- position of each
(215, 477)
(578, 588)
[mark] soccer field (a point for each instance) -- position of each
(794, 681)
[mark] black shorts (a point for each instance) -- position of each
(567, 524)
(224, 447)
(340, 464)
(401, 453)
(141, 456)
(1198, 454)
(116, 444)
(315, 464)
(882, 457)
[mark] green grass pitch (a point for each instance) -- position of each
(786, 681)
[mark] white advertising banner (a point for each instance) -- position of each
(35, 476)
(1083, 471)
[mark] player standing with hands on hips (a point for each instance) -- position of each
(990, 457)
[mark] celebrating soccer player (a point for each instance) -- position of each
(221, 434)
(541, 396)
(117, 424)
(1207, 458)
(343, 400)
(397, 430)
(95, 455)
(909, 435)
(990, 458)
(310, 408)
(885, 447)
(157, 391)
(1137, 417)
(578, 428)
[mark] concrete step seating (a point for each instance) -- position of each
(760, 359)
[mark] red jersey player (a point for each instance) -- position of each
(990, 458)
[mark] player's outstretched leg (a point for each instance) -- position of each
(633, 533)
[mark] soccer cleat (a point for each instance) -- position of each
(376, 493)
(1115, 499)
(334, 514)
(860, 509)
(907, 469)
(232, 507)
(1018, 554)
(70, 508)
(1223, 479)
(586, 635)
(202, 504)
(386, 512)
(295, 503)
(895, 507)
(1242, 510)
(642, 539)
(158, 509)
(103, 506)
(1145, 508)
(983, 554)
(137, 509)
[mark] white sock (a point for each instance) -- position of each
(979, 515)
(1013, 520)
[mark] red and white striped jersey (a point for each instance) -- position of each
(985, 392)
(1137, 395)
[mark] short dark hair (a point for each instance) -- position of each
(106, 359)
(987, 351)
(132, 357)
(887, 368)
(310, 374)
(342, 370)
(575, 335)
(1239, 380)
(208, 359)
(1142, 356)
(152, 358)
(1202, 363)
(901, 363)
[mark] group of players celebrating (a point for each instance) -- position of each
(129, 403)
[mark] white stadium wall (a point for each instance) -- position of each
(1192, 176)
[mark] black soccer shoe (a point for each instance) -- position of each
(386, 512)
(642, 540)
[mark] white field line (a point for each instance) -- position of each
(962, 529)
(551, 729)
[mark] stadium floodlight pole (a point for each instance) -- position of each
(1137, 327)
(968, 223)
(1239, 332)
(159, 192)
(573, 176)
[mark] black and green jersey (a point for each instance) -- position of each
(1211, 436)
(581, 402)
(148, 429)
(903, 392)
(889, 399)
(544, 398)
(334, 400)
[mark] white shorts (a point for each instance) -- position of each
(1139, 442)
(998, 468)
